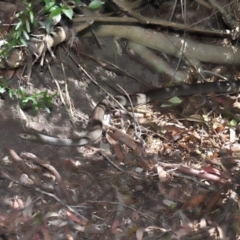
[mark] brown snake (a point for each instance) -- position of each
(136, 99)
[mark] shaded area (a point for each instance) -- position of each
(181, 185)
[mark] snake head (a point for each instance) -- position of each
(27, 136)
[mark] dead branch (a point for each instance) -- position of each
(61, 185)
(24, 167)
(171, 45)
(194, 172)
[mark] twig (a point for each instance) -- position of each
(69, 108)
(173, 10)
(24, 167)
(123, 72)
(56, 82)
(7, 176)
(134, 14)
(205, 4)
(118, 168)
(170, 44)
(126, 206)
(162, 23)
(225, 15)
(96, 83)
(135, 123)
(61, 185)
(114, 68)
(70, 208)
(194, 172)
(193, 179)
(157, 63)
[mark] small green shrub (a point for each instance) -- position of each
(36, 101)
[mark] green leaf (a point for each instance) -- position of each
(57, 19)
(28, 26)
(56, 12)
(2, 89)
(18, 33)
(21, 91)
(171, 102)
(24, 43)
(25, 34)
(48, 23)
(77, 1)
(175, 100)
(132, 230)
(205, 118)
(167, 105)
(31, 16)
(95, 4)
(68, 12)
(26, 99)
(46, 2)
(18, 25)
(38, 101)
(233, 123)
(50, 6)
(29, 6)
(173, 206)
(10, 93)
(47, 109)
(18, 14)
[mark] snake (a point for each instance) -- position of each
(149, 96)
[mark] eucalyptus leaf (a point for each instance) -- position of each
(233, 123)
(175, 100)
(167, 105)
(48, 23)
(18, 24)
(24, 43)
(57, 19)
(95, 4)
(68, 12)
(25, 34)
(27, 25)
(2, 90)
(31, 16)
(56, 12)
(50, 6)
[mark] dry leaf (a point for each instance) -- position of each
(211, 200)
(116, 147)
(115, 225)
(194, 202)
(174, 194)
(139, 234)
(212, 171)
(162, 174)
(132, 230)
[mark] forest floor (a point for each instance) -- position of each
(124, 192)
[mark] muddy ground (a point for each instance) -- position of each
(124, 197)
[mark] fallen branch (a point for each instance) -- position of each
(61, 185)
(197, 173)
(24, 167)
(170, 44)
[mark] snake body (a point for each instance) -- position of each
(136, 99)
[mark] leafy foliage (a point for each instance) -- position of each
(37, 101)
(95, 4)
(23, 27)
(20, 34)
(56, 10)
(26, 20)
